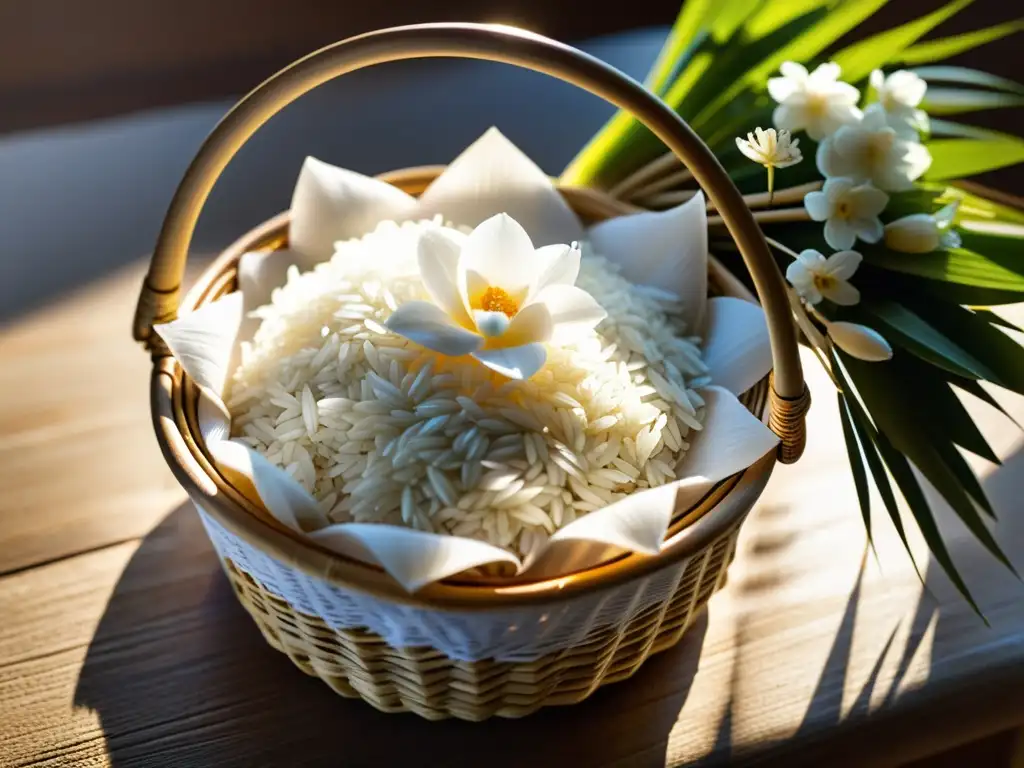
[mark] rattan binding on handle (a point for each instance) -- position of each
(160, 292)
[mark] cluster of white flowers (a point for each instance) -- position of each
(863, 155)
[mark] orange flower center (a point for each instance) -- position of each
(824, 282)
(497, 300)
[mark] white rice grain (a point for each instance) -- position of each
(380, 431)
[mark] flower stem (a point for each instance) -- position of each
(776, 216)
(787, 196)
(771, 184)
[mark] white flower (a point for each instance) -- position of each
(859, 341)
(871, 151)
(771, 149)
(814, 277)
(818, 103)
(848, 210)
(900, 95)
(923, 232)
(496, 297)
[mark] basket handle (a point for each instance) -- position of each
(158, 302)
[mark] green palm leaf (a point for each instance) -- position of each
(859, 59)
(946, 47)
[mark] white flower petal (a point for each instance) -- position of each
(836, 189)
(877, 81)
(915, 158)
(428, 325)
(839, 233)
(471, 285)
(798, 273)
(873, 118)
(514, 362)
(832, 163)
(490, 324)
(533, 323)
(573, 311)
(203, 340)
(438, 256)
(492, 176)
(499, 250)
(413, 558)
(827, 72)
(736, 348)
(673, 256)
(331, 204)
(860, 341)
(788, 117)
(811, 259)
(819, 208)
(794, 71)
(748, 148)
(906, 88)
(843, 95)
(843, 264)
(280, 493)
(781, 88)
(563, 266)
(868, 200)
(842, 293)
(868, 230)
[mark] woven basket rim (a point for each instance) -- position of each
(174, 418)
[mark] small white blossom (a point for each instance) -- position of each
(900, 95)
(859, 341)
(849, 210)
(923, 232)
(871, 151)
(814, 277)
(496, 297)
(771, 149)
(818, 103)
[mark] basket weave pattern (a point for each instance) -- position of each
(358, 663)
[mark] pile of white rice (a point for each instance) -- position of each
(379, 429)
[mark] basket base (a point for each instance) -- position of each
(360, 664)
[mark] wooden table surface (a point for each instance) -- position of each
(121, 643)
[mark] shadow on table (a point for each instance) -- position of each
(941, 630)
(179, 675)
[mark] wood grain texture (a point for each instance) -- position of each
(134, 652)
(79, 466)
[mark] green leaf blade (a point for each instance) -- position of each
(891, 399)
(681, 39)
(947, 47)
(912, 492)
(867, 434)
(967, 76)
(859, 59)
(998, 351)
(924, 341)
(956, 265)
(853, 451)
(955, 101)
(959, 158)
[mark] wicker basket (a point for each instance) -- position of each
(464, 647)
